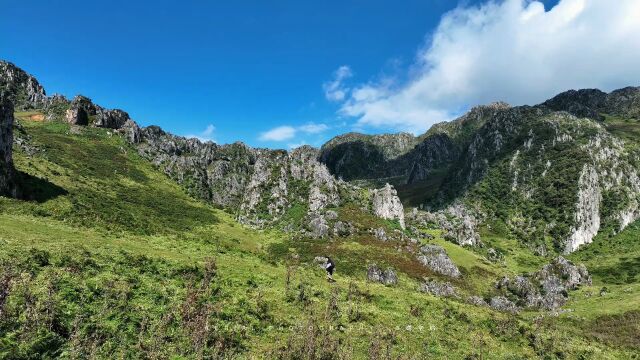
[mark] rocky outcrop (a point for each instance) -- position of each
(547, 288)
(458, 223)
(439, 289)
(82, 111)
(503, 304)
(22, 89)
(7, 172)
(343, 229)
(387, 205)
(386, 277)
(436, 259)
(592, 103)
(259, 185)
(587, 214)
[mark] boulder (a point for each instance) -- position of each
(549, 287)
(503, 304)
(476, 300)
(376, 274)
(436, 259)
(380, 234)
(318, 227)
(343, 229)
(387, 205)
(77, 116)
(440, 289)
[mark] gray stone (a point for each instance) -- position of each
(503, 304)
(386, 277)
(476, 300)
(440, 289)
(387, 205)
(342, 229)
(435, 258)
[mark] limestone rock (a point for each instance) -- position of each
(386, 277)
(503, 304)
(380, 234)
(587, 215)
(387, 205)
(342, 229)
(318, 226)
(22, 89)
(476, 300)
(435, 258)
(440, 289)
(547, 288)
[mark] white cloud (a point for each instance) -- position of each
(313, 128)
(282, 133)
(335, 90)
(510, 50)
(206, 135)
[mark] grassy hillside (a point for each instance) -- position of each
(111, 259)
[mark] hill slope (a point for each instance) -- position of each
(119, 249)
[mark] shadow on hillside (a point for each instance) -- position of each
(32, 188)
(623, 272)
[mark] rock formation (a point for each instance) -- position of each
(547, 288)
(387, 205)
(22, 89)
(7, 172)
(436, 259)
(439, 289)
(386, 277)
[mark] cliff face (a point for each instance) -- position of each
(548, 173)
(259, 185)
(7, 172)
(23, 89)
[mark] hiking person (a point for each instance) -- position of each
(330, 267)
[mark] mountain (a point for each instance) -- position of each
(556, 174)
(124, 241)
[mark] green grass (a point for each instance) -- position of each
(119, 262)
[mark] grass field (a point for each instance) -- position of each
(112, 259)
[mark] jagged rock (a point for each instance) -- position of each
(460, 226)
(318, 226)
(343, 229)
(57, 106)
(387, 205)
(21, 89)
(547, 288)
(493, 255)
(440, 289)
(435, 258)
(7, 172)
(376, 274)
(592, 102)
(112, 119)
(131, 131)
(457, 222)
(503, 304)
(476, 300)
(587, 215)
(379, 233)
(82, 111)
(77, 116)
(330, 215)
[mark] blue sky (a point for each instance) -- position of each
(280, 73)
